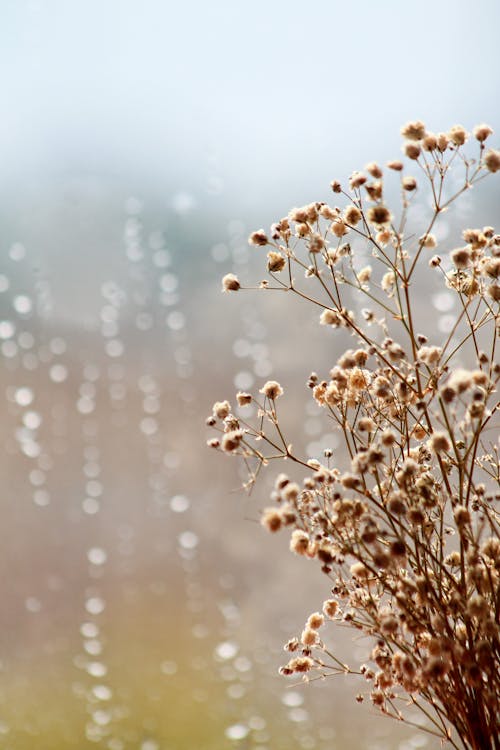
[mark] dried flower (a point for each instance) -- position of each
(378, 215)
(271, 390)
(230, 283)
(243, 398)
(458, 135)
(492, 160)
(403, 521)
(428, 241)
(221, 409)
(412, 150)
(409, 183)
(482, 132)
(275, 262)
(258, 238)
(396, 165)
(413, 131)
(352, 215)
(439, 442)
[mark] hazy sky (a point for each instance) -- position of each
(233, 97)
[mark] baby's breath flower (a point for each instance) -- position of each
(383, 237)
(272, 389)
(301, 664)
(379, 215)
(290, 491)
(458, 135)
(388, 437)
(302, 229)
(460, 257)
(442, 142)
(461, 515)
(409, 183)
(439, 442)
(316, 243)
(243, 398)
(275, 261)
(429, 354)
(299, 542)
(360, 571)
(271, 519)
(491, 267)
(258, 238)
(230, 283)
(396, 165)
(374, 190)
(338, 228)
(493, 291)
(352, 215)
(221, 409)
(388, 281)
(327, 212)
(309, 637)
(492, 160)
(231, 440)
(364, 274)
(365, 424)
(330, 318)
(374, 170)
(428, 241)
(412, 150)
(429, 143)
(330, 608)
(281, 481)
(413, 131)
(315, 621)
(482, 132)
(356, 180)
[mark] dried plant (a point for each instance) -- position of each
(408, 529)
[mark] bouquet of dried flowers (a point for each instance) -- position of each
(405, 522)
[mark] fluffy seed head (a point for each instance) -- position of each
(352, 215)
(439, 442)
(315, 621)
(330, 608)
(230, 283)
(258, 238)
(396, 165)
(409, 183)
(379, 215)
(243, 399)
(299, 542)
(221, 409)
(482, 132)
(413, 131)
(275, 261)
(412, 150)
(428, 241)
(374, 170)
(492, 160)
(272, 389)
(458, 135)
(271, 519)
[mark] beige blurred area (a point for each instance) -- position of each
(143, 606)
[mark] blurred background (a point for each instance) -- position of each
(140, 142)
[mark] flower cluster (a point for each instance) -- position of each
(405, 524)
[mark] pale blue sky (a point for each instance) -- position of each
(238, 98)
